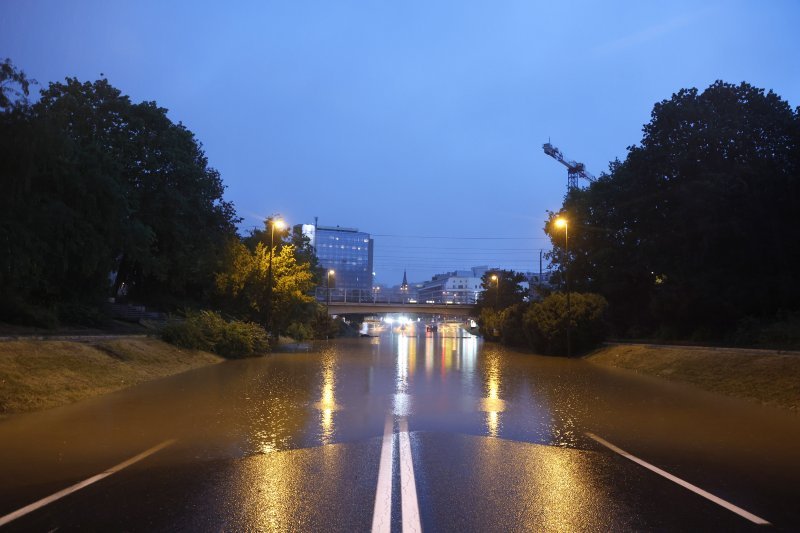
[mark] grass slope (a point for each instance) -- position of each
(39, 374)
(767, 377)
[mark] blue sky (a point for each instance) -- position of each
(413, 118)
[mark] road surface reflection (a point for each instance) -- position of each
(441, 381)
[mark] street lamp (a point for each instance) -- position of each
(497, 289)
(280, 224)
(561, 222)
(331, 273)
(375, 294)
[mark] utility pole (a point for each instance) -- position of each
(540, 269)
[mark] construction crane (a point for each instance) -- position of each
(575, 170)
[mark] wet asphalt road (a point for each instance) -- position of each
(495, 441)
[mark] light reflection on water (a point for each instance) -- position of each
(492, 403)
(401, 401)
(453, 383)
(327, 402)
(444, 381)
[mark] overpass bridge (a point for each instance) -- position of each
(368, 308)
(364, 302)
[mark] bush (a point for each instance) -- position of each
(208, 331)
(512, 327)
(489, 323)
(15, 310)
(323, 326)
(545, 323)
(299, 331)
(783, 332)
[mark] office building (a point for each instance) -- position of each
(346, 251)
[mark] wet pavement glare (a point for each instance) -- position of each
(291, 442)
(448, 382)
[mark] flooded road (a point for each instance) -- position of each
(406, 430)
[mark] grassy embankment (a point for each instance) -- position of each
(767, 377)
(39, 374)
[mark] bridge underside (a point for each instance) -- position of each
(344, 308)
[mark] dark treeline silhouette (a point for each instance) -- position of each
(93, 184)
(695, 234)
(103, 197)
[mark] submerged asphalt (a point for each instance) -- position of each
(498, 440)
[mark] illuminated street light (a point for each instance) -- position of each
(559, 223)
(331, 273)
(497, 289)
(280, 224)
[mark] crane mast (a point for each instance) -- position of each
(575, 170)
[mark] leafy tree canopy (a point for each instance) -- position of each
(95, 184)
(696, 228)
(14, 85)
(501, 289)
(243, 286)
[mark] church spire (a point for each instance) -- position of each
(404, 285)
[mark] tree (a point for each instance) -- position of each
(14, 86)
(61, 212)
(243, 286)
(694, 230)
(95, 184)
(162, 202)
(501, 289)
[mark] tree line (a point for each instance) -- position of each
(695, 234)
(105, 198)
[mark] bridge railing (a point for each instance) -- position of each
(359, 296)
(371, 296)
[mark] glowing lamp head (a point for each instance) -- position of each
(278, 224)
(331, 272)
(494, 277)
(560, 223)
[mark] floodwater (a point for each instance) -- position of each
(308, 423)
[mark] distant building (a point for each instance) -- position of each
(346, 251)
(458, 287)
(539, 284)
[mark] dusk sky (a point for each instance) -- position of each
(412, 118)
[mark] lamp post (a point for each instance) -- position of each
(496, 289)
(562, 223)
(375, 294)
(331, 273)
(280, 224)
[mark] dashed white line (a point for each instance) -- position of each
(382, 513)
(85, 483)
(408, 486)
(697, 490)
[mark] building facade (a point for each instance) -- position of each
(457, 287)
(346, 251)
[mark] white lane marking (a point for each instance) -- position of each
(382, 513)
(408, 486)
(85, 483)
(697, 490)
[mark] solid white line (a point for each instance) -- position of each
(697, 490)
(408, 486)
(382, 513)
(85, 483)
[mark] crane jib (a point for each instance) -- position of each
(575, 169)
